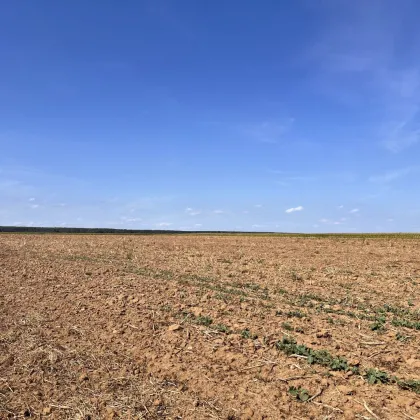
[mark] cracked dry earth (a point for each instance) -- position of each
(201, 327)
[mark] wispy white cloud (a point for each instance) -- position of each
(30, 223)
(258, 206)
(195, 226)
(391, 176)
(32, 199)
(130, 219)
(34, 206)
(340, 207)
(402, 140)
(192, 212)
(218, 211)
(268, 131)
(294, 209)
(401, 128)
(354, 211)
(276, 172)
(332, 222)
(356, 55)
(163, 224)
(298, 179)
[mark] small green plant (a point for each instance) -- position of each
(246, 333)
(296, 314)
(299, 393)
(252, 286)
(401, 337)
(287, 326)
(204, 320)
(411, 385)
(379, 324)
(222, 328)
(405, 323)
(320, 357)
(375, 376)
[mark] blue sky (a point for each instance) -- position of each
(241, 115)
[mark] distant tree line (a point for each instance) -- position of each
(34, 229)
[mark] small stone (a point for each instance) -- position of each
(348, 415)
(157, 402)
(46, 411)
(392, 359)
(404, 401)
(206, 297)
(247, 414)
(415, 363)
(196, 311)
(110, 413)
(83, 377)
(174, 327)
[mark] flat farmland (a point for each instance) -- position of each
(209, 327)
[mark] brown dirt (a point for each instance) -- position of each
(151, 327)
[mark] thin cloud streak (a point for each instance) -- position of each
(391, 176)
(294, 209)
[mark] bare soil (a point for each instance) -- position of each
(201, 327)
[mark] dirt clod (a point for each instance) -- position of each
(346, 390)
(83, 377)
(174, 327)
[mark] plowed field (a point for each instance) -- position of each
(201, 327)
